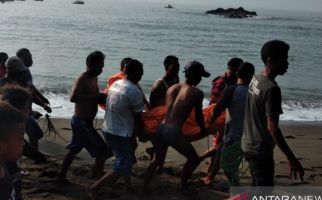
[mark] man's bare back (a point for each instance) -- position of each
(85, 95)
(181, 98)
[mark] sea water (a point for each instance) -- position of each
(60, 35)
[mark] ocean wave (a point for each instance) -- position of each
(274, 18)
(294, 110)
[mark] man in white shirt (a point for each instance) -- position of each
(124, 104)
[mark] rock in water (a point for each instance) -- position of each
(232, 12)
(78, 2)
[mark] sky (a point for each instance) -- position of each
(297, 5)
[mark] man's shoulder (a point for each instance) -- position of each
(219, 79)
(126, 86)
(264, 82)
(82, 80)
(83, 76)
(157, 83)
(195, 92)
(175, 86)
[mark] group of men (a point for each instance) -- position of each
(17, 89)
(252, 104)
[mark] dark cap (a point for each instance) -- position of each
(195, 67)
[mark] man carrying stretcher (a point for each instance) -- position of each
(181, 99)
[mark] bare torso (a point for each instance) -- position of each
(85, 93)
(159, 90)
(180, 100)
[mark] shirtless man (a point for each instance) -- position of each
(160, 86)
(181, 98)
(86, 96)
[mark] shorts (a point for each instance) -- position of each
(33, 130)
(169, 135)
(123, 153)
(86, 136)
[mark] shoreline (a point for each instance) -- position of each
(305, 139)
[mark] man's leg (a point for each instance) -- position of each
(108, 178)
(69, 157)
(32, 153)
(160, 152)
(214, 167)
(186, 149)
(122, 150)
(96, 147)
(34, 132)
(209, 153)
(262, 170)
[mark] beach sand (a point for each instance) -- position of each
(305, 139)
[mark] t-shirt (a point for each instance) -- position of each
(264, 100)
(123, 100)
(7, 191)
(236, 112)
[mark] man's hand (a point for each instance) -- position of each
(296, 168)
(46, 101)
(47, 108)
(36, 114)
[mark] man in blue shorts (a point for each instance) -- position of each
(86, 96)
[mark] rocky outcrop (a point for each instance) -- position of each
(232, 12)
(78, 2)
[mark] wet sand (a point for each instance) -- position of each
(305, 138)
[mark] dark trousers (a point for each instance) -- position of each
(262, 169)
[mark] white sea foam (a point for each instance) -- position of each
(63, 108)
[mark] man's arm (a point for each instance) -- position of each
(199, 115)
(139, 127)
(36, 92)
(39, 102)
(274, 130)
(222, 103)
(145, 101)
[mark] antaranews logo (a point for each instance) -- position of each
(243, 196)
(276, 193)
